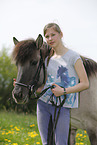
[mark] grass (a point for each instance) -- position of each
(18, 129)
(21, 129)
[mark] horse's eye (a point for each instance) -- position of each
(33, 62)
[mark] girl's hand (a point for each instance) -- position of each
(14, 80)
(40, 89)
(57, 90)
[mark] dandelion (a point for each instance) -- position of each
(11, 125)
(37, 142)
(81, 135)
(32, 125)
(32, 134)
(3, 133)
(85, 136)
(17, 129)
(6, 139)
(85, 131)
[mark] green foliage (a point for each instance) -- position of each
(7, 72)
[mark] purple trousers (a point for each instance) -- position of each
(44, 112)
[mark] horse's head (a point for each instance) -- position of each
(29, 56)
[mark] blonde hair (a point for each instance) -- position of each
(49, 25)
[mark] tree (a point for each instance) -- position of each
(8, 71)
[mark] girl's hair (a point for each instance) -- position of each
(54, 25)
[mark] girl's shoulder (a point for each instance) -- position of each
(72, 52)
(71, 56)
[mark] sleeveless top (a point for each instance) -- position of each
(62, 72)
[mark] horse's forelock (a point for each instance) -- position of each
(23, 51)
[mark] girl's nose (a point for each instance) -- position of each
(50, 37)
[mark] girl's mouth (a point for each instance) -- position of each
(51, 43)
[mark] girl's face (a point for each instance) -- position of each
(53, 38)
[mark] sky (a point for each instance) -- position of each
(25, 19)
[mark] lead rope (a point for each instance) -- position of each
(56, 119)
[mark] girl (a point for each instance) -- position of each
(66, 72)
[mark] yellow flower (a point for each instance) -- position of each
(85, 131)
(11, 125)
(81, 135)
(32, 125)
(85, 136)
(3, 133)
(14, 144)
(17, 129)
(6, 139)
(37, 142)
(32, 134)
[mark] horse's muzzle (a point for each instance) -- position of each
(19, 98)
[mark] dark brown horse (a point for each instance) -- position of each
(30, 56)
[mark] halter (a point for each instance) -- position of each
(36, 78)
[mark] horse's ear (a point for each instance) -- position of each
(15, 40)
(39, 41)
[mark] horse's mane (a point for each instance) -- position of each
(23, 51)
(90, 66)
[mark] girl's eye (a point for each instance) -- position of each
(33, 62)
(53, 34)
(47, 36)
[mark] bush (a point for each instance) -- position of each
(8, 71)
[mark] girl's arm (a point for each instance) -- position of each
(84, 82)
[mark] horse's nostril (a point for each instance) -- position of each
(18, 95)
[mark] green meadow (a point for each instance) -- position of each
(21, 129)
